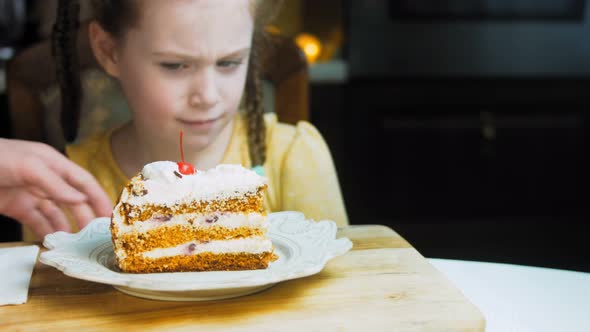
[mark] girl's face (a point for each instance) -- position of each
(183, 67)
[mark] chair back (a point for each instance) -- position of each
(286, 68)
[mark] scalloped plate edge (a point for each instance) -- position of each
(53, 243)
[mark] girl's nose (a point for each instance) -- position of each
(204, 92)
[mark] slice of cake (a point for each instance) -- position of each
(166, 221)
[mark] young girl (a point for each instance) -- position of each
(186, 65)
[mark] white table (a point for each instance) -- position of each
(523, 298)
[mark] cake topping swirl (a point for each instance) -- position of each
(222, 181)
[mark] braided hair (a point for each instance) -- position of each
(254, 107)
(115, 16)
(63, 42)
(264, 12)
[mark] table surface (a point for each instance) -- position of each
(382, 284)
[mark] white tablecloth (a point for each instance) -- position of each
(523, 298)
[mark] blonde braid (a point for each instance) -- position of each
(254, 107)
(264, 11)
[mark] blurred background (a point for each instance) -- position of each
(461, 124)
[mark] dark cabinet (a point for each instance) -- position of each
(468, 170)
(412, 155)
(482, 162)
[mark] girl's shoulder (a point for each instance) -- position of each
(283, 139)
(279, 132)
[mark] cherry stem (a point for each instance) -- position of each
(181, 151)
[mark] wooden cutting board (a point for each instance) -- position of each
(383, 284)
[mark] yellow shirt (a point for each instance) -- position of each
(299, 168)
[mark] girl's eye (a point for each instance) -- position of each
(172, 66)
(229, 63)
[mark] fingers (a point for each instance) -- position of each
(37, 222)
(83, 182)
(42, 216)
(55, 215)
(65, 182)
(97, 199)
(82, 213)
(51, 183)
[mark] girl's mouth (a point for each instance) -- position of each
(199, 124)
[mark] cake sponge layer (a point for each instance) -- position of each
(201, 262)
(136, 213)
(164, 237)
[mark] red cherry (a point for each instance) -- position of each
(185, 168)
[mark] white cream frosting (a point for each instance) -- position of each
(221, 182)
(228, 220)
(255, 245)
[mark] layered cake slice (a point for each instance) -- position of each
(167, 221)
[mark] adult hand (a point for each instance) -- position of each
(36, 181)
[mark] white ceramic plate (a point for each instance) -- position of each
(303, 247)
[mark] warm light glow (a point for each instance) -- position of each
(311, 46)
(273, 29)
